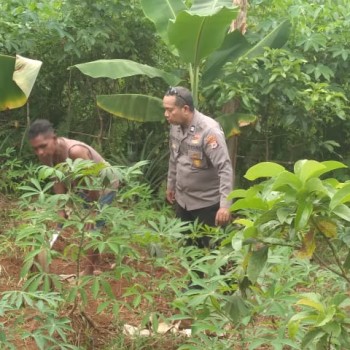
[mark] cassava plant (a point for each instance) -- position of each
(40, 215)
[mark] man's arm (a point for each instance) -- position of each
(216, 150)
(171, 181)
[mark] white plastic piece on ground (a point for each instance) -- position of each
(54, 238)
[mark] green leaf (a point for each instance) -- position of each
(160, 12)
(256, 263)
(303, 214)
(314, 304)
(196, 36)
(264, 169)
(330, 166)
(236, 46)
(333, 328)
(340, 197)
(103, 306)
(244, 222)
(305, 169)
(330, 312)
(283, 214)
(118, 68)
(215, 303)
(249, 232)
(286, 178)
(237, 194)
(343, 211)
(95, 288)
(311, 336)
(315, 185)
(138, 108)
(340, 299)
(293, 328)
(210, 7)
(18, 75)
(274, 40)
(322, 70)
(107, 288)
(236, 308)
(346, 264)
(249, 203)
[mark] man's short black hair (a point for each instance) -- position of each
(40, 127)
(183, 96)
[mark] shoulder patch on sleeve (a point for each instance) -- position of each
(212, 141)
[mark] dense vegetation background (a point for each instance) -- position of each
(299, 92)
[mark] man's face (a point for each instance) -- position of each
(174, 114)
(44, 146)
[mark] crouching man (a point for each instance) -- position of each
(52, 150)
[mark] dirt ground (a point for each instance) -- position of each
(92, 329)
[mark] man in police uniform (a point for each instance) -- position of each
(200, 171)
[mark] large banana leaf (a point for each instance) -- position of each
(196, 33)
(160, 12)
(17, 77)
(140, 108)
(210, 7)
(117, 68)
(236, 46)
(195, 36)
(274, 40)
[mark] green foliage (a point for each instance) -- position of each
(155, 152)
(296, 114)
(35, 235)
(13, 171)
(77, 31)
(301, 209)
(300, 94)
(52, 329)
(326, 320)
(208, 22)
(252, 276)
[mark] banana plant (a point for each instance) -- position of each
(18, 75)
(198, 36)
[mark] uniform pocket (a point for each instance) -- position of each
(198, 160)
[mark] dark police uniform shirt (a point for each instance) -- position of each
(200, 170)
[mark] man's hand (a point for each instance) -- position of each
(170, 196)
(223, 216)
